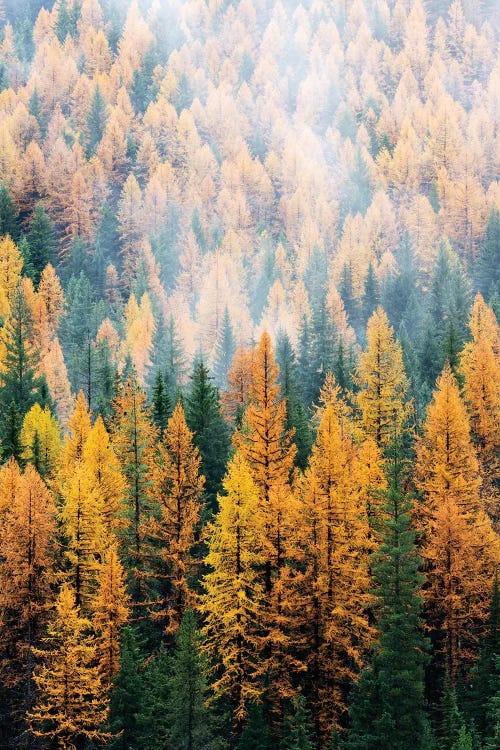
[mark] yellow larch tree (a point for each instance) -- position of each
(41, 440)
(110, 613)
(103, 467)
(27, 574)
(78, 431)
(383, 384)
(337, 541)
(83, 526)
(458, 545)
(11, 264)
(176, 488)
(235, 399)
(71, 706)
(232, 598)
(480, 367)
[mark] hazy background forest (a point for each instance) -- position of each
(249, 374)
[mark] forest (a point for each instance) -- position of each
(249, 374)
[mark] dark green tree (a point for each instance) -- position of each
(9, 215)
(450, 718)
(487, 679)
(346, 291)
(153, 720)
(226, 347)
(211, 435)
(161, 404)
(296, 415)
(256, 732)
(127, 694)
(96, 121)
(296, 730)
(371, 295)
(191, 724)
(41, 240)
(387, 711)
(487, 270)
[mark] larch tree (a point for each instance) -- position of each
(480, 367)
(458, 545)
(27, 575)
(71, 706)
(236, 396)
(176, 488)
(337, 540)
(110, 612)
(41, 440)
(382, 381)
(232, 599)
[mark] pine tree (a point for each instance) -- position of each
(96, 121)
(9, 214)
(371, 295)
(382, 381)
(190, 722)
(211, 436)
(486, 272)
(41, 241)
(487, 676)
(176, 487)
(257, 731)
(387, 708)
(296, 730)
(160, 402)
(126, 697)
(225, 350)
(71, 706)
(296, 416)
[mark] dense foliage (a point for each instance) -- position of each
(249, 375)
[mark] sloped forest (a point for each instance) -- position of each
(249, 374)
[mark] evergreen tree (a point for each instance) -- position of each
(346, 291)
(487, 678)
(388, 703)
(371, 294)
(152, 719)
(226, 347)
(190, 722)
(296, 416)
(160, 402)
(9, 215)
(487, 269)
(20, 387)
(127, 694)
(296, 730)
(256, 732)
(41, 241)
(96, 121)
(211, 436)
(450, 718)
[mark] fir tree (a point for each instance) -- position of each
(487, 679)
(487, 269)
(371, 294)
(388, 703)
(296, 730)
(9, 215)
(127, 694)
(256, 732)
(296, 416)
(41, 241)
(96, 121)
(211, 436)
(160, 402)
(226, 347)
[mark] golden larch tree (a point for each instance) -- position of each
(110, 613)
(382, 380)
(27, 574)
(232, 600)
(337, 540)
(458, 545)
(41, 440)
(72, 705)
(176, 489)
